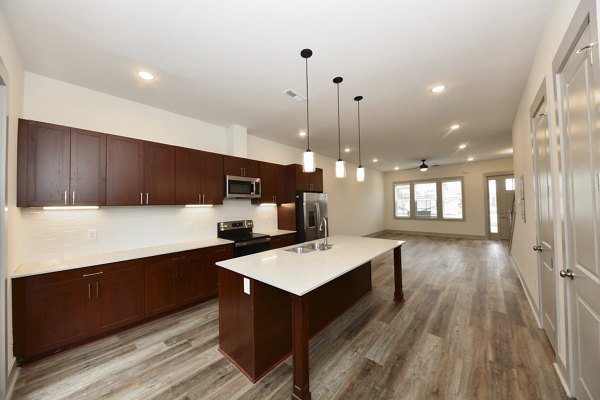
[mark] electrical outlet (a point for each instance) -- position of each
(92, 234)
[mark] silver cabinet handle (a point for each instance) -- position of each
(141, 201)
(89, 291)
(199, 198)
(65, 197)
(73, 197)
(146, 198)
(203, 199)
(95, 273)
(178, 258)
(97, 289)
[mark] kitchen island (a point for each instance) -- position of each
(272, 303)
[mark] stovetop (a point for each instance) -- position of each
(238, 231)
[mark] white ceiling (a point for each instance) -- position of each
(228, 61)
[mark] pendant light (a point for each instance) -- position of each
(360, 171)
(340, 166)
(308, 161)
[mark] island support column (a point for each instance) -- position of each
(398, 292)
(301, 390)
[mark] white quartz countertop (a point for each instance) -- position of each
(46, 266)
(274, 232)
(301, 273)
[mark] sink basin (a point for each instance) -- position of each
(300, 250)
(319, 246)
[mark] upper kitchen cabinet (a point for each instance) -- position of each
(139, 172)
(60, 166)
(272, 179)
(238, 166)
(297, 180)
(198, 177)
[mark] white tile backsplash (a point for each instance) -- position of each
(63, 234)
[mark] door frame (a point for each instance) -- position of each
(4, 351)
(487, 197)
(580, 20)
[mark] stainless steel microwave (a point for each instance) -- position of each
(241, 187)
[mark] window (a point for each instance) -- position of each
(426, 200)
(439, 199)
(509, 184)
(402, 200)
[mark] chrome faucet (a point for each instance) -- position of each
(323, 226)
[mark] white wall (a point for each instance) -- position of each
(525, 233)
(354, 208)
(474, 201)
(12, 73)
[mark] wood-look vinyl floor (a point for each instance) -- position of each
(466, 331)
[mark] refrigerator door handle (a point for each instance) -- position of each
(318, 221)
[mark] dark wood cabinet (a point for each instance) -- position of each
(198, 177)
(60, 166)
(279, 241)
(297, 180)
(213, 255)
(272, 179)
(65, 308)
(125, 171)
(240, 166)
(159, 174)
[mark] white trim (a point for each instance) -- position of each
(11, 380)
(527, 293)
(562, 379)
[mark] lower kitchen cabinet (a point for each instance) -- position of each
(283, 240)
(51, 311)
(214, 255)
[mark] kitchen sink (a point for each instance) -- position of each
(307, 248)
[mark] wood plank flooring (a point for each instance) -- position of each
(466, 331)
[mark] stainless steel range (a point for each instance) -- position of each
(245, 241)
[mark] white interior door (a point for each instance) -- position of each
(501, 190)
(579, 98)
(545, 217)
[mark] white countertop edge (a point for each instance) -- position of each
(274, 232)
(56, 265)
(253, 267)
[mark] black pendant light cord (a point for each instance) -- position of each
(359, 155)
(339, 131)
(307, 124)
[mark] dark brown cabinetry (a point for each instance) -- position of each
(297, 180)
(213, 255)
(139, 172)
(198, 177)
(240, 166)
(64, 308)
(283, 240)
(60, 166)
(272, 179)
(174, 280)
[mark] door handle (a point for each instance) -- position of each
(566, 273)
(97, 289)
(537, 248)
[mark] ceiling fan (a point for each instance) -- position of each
(424, 167)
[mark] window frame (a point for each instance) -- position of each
(439, 201)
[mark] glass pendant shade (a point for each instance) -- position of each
(340, 169)
(360, 174)
(308, 162)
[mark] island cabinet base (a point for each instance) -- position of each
(255, 329)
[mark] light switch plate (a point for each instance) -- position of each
(246, 285)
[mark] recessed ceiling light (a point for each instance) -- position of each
(438, 89)
(302, 133)
(347, 149)
(470, 159)
(145, 75)
(455, 126)
(375, 160)
(396, 168)
(462, 146)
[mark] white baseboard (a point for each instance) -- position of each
(562, 379)
(450, 235)
(527, 294)
(11, 380)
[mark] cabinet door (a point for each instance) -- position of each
(191, 280)
(212, 177)
(283, 240)
(214, 255)
(272, 179)
(45, 157)
(303, 179)
(56, 314)
(88, 168)
(160, 282)
(124, 171)
(159, 174)
(118, 295)
(188, 176)
(240, 166)
(316, 180)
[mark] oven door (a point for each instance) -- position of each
(240, 187)
(246, 247)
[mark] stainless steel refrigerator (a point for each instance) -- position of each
(311, 208)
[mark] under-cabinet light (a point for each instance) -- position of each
(268, 204)
(198, 205)
(69, 208)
